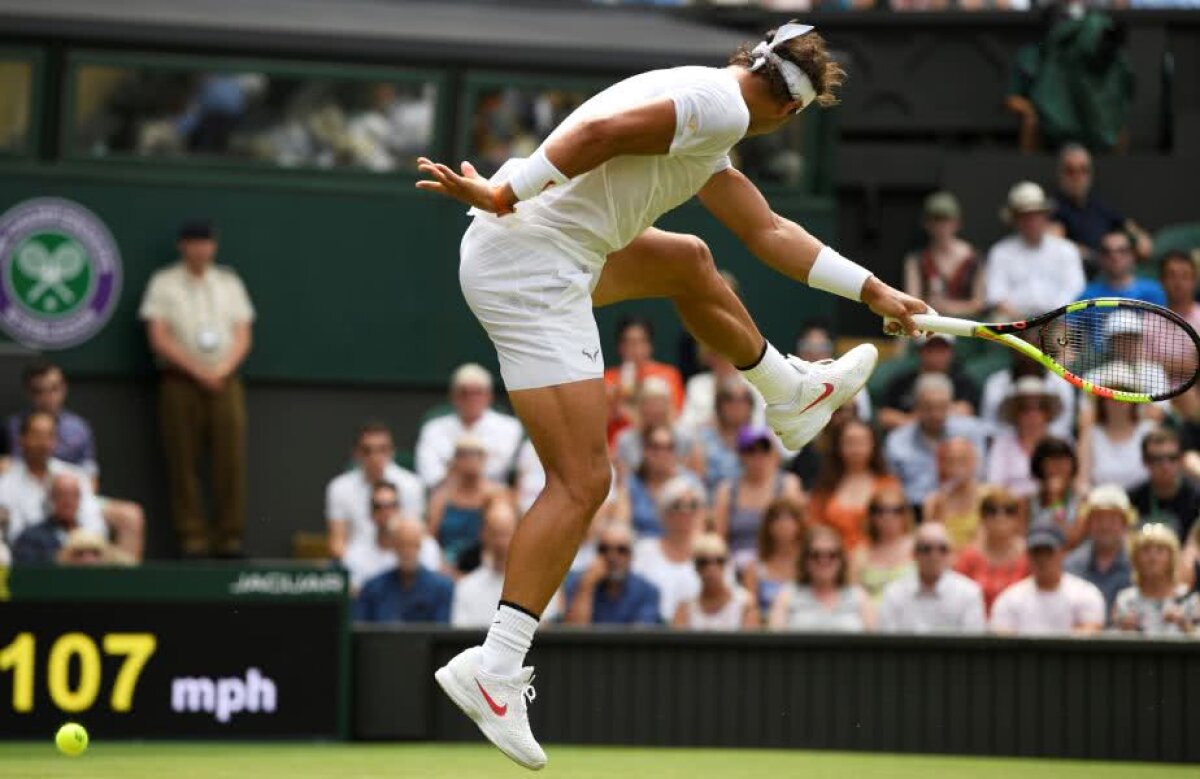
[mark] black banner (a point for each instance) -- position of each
(256, 668)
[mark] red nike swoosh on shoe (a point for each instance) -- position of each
(824, 394)
(497, 709)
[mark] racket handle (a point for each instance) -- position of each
(945, 324)
(933, 323)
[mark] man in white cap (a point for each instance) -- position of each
(471, 395)
(1127, 366)
(571, 227)
(1031, 271)
(1103, 559)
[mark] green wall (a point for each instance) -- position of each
(354, 279)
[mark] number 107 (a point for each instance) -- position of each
(20, 657)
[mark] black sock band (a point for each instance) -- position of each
(522, 609)
(761, 355)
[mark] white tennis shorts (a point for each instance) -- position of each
(534, 299)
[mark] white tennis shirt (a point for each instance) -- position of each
(605, 208)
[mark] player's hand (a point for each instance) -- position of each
(469, 187)
(891, 303)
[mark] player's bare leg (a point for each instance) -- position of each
(801, 397)
(566, 424)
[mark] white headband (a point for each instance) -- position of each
(799, 85)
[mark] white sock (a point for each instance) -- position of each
(507, 642)
(774, 377)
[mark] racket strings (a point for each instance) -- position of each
(1120, 348)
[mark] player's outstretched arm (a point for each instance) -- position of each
(644, 129)
(793, 251)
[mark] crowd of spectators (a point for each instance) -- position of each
(284, 120)
(957, 501)
(51, 511)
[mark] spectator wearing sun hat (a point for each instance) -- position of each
(947, 274)
(1031, 271)
(1102, 559)
(1027, 410)
(471, 395)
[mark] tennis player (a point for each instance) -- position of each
(570, 228)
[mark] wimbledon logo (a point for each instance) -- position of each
(60, 271)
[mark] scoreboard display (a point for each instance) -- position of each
(236, 654)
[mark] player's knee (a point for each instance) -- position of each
(697, 268)
(588, 490)
(701, 257)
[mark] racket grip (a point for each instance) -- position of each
(945, 324)
(933, 323)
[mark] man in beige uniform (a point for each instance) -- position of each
(198, 318)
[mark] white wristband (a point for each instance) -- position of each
(834, 273)
(534, 175)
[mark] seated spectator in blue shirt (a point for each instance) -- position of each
(409, 592)
(911, 449)
(1117, 279)
(608, 592)
(46, 387)
(1079, 217)
(39, 544)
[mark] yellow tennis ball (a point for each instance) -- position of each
(72, 739)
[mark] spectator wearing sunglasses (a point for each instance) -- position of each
(853, 470)
(778, 552)
(888, 553)
(369, 554)
(1167, 497)
(608, 592)
(652, 408)
(932, 598)
(739, 504)
(718, 605)
(666, 561)
(348, 513)
(660, 464)
(822, 598)
(999, 559)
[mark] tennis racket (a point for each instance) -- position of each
(1115, 348)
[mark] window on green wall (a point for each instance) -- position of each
(776, 158)
(16, 100)
(508, 116)
(372, 121)
(511, 121)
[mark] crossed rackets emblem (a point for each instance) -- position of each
(50, 270)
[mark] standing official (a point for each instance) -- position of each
(198, 320)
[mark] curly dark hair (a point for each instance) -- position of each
(810, 54)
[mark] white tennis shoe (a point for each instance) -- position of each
(823, 388)
(497, 705)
